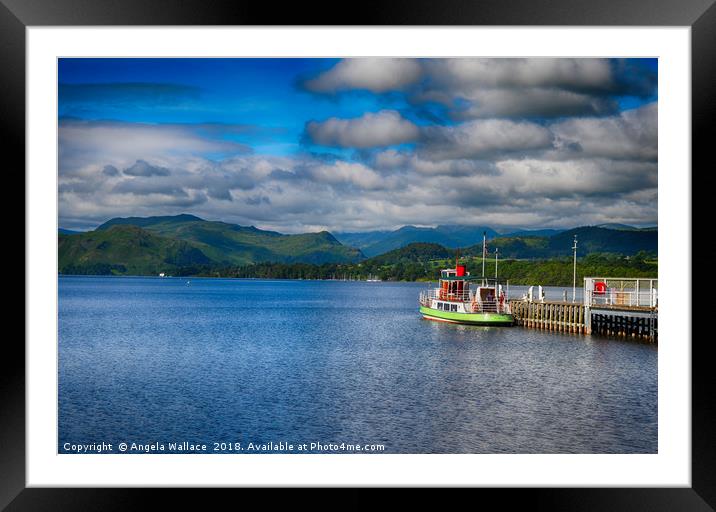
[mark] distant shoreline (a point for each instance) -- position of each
(579, 286)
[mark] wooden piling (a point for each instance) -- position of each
(567, 317)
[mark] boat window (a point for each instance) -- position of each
(440, 305)
(453, 307)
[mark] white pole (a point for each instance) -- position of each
(495, 264)
(484, 248)
(574, 273)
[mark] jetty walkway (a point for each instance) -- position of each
(620, 307)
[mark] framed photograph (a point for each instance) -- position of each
(435, 247)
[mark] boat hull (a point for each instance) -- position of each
(496, 319)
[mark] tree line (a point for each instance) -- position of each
(555, 271)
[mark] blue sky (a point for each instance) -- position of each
(357, 144)
(265, 93)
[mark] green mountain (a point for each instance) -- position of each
(590, 239)
(538, 243)
(178, 244)
(415, 252)
(165, 243)
(625, 227)
(124, 250)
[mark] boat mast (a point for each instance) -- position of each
(484, 250)
(495, 265)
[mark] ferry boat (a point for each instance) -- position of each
(464, 299)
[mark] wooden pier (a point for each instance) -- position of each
(637, 322)
(550, 316)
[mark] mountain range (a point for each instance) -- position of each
(150, 245)
(373, 243)
(590, 239)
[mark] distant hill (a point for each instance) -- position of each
(533, 232)
(362, 240)
(195, 242)
(414, 252)
(149, 245)
(63, 231)
(124, 250)
(590, 239)
(151, 221)
(373, 243)
(524, 243)
(625, 227)
(618, 227)
(515, 247)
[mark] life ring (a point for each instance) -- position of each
(600, 287)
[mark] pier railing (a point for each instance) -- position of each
(472, 302)
(620, 292)
(437, 293)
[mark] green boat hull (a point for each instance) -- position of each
(496, 319)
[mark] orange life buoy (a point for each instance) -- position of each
(600, 287)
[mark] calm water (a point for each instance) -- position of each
(150, 360)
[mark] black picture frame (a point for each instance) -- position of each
(700, 15)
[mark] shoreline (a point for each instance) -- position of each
(425, 281)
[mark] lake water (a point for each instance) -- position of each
(249, 362)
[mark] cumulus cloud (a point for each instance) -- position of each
(500, 142)
(571, 74)
(350, 173)
(372, 74)
(142, 168)
(508, 87)
(303, 194)
(384, 128)
(110, 170)
(482, 138)
(532, 102)
(146, 187)
(575, 178)
(632, 135)
(123, 143)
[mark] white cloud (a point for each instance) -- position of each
(483, 138)
(302, 194)
(532, 102)
(391, 159)
(383, 128)
(633, 134)
(465, 73)
(575, 178)
(373, 74)
(351, 173)
(121, 144)
(506, 87)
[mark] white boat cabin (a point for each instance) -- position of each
(460, 292)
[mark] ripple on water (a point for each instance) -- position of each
(307, 361)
